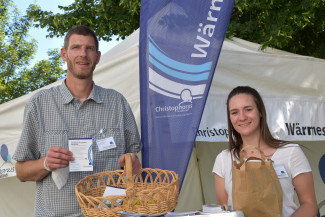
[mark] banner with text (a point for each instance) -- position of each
(291, 118)
(180, 42)
(7, 164)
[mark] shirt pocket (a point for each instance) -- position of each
(112, 153)
(57, 138)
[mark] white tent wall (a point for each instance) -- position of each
(16, 198)
(240, 63)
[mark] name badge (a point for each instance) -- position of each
(105, 144)
(281, 172)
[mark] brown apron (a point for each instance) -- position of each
(256, 189)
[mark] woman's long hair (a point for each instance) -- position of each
(235, 140)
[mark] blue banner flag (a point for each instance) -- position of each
(180, 42)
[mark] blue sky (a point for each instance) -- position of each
(43, 43)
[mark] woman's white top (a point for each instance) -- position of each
(288, 161)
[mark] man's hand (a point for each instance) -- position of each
(136, 165)
(58, 157)
(35, 170)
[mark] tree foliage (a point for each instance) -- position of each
(107, 18)
(296, 26)
(16, 53)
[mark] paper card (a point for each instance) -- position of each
(83, 156)
(105, 144)
(110, 190)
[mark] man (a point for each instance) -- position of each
(76, 110)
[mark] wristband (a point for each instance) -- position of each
(45, 165)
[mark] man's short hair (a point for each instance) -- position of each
(80, 30)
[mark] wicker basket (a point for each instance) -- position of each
(151, 191)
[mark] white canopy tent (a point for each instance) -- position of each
(281, 78)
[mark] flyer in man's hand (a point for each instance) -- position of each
(83, 156)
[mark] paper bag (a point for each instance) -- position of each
(256, 189)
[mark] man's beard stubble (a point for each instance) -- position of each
(74, 72)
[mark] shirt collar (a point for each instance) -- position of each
(68, 97)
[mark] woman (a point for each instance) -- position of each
(247, 126)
